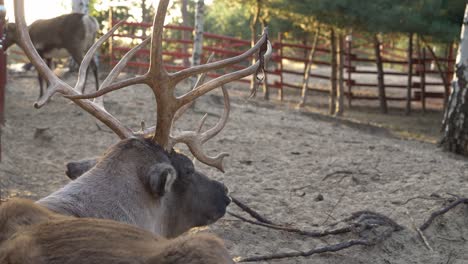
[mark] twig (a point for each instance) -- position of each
(336, 172)
(321, 233)
(420, 233)
(330, 248)
(333, 208)
(250, 211)
(442, 211)
(414, 198)
(363, 220)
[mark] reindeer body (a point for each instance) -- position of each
(30, 234)
(59, 37)
(142, 180)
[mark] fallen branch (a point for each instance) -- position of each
(250, 211)
(296, 230)
(367, 220)
(442, 211)
(330, 248)
(358, 222)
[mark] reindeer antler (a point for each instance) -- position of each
(161, 82)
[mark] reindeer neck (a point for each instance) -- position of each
(98, 195)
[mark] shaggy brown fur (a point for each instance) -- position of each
(31, 234)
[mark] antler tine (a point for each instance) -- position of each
(207, 135)
(183, 74)
(199, 81)
(194, 139)
(57, 85)
(156, 61)
(89, 56)
(203, 89)
(106, 86)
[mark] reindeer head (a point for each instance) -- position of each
(143, 171)
(10, 35)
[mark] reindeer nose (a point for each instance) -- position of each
(227, 200)
(226, 190)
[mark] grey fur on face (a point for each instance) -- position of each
(139, 183)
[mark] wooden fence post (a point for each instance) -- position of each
(307, 67)
(3, 76)
(380, 75)
(410, 73)
(423, 80)
(280, 52)
(349, 43)
(450, 62)
(332, 100)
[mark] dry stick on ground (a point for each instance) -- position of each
(442, 211)
(320, 233)
(250, 211)
(330, 248)
(365, 220)
(360, 216)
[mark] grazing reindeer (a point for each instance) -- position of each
(31, 234)
(141, 180)
(57, 37)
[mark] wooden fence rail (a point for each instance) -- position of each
(289, 59)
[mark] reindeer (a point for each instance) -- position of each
(142, 180)
(32, 234)
(62, 36)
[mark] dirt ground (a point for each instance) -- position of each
(281, 161)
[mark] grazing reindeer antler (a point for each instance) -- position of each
(158, 79)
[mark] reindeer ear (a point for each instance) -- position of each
(161, 178)
(77, 168)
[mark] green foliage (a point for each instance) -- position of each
(440, 19)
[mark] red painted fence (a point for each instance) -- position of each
(358, 54)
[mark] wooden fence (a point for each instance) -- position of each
(289, 60)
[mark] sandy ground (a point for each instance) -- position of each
(281, 160)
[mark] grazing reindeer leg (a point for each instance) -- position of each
(142, 180)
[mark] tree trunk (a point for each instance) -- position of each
(185, 34)
(198, 35)
(80, 6)
(253, 38)
(455, 123)
(380, 75)
(340, 66)
(310, 61)
(410, 73)
(332, 100)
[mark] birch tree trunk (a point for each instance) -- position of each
(455, 123)
(310, 61)
(198, 34)
(80, 6)
(185, 22)
(380, 75)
